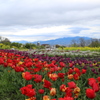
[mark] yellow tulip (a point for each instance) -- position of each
(53, 91)
(46, 97)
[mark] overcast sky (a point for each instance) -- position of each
(35, 20)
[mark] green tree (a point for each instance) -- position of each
(5, 41)
(95, 43)
(16, 44)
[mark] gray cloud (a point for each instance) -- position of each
(77, 30)
(20, 16)
(47, 12)
(95, 33)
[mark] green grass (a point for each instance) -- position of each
(10, 84)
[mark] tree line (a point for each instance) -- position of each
(5, 43)
(81, 42)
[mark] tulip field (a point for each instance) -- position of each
(43, 76)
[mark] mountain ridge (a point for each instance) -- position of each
(60, 41)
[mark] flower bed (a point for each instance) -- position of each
(40, 77)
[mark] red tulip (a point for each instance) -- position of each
(71, 65)
(27, 75)
(91, 81)
(41, 91)
(62, 64)
(31, 98)
(29, 86)
(1, 60)
(71, 85)
(70, 71)
(76, 76)
(28, 91)
(95, 87)
(38, 78)
(63, 87)
(77, 71)
(19, 69)
(98, 79)
(61, 75)
(66, 98)
(83, 71)
(53, 76)
(68, 92)
(28, 64)
(31, 93)
(90, 93)
(47, 84)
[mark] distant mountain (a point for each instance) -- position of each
(66, 41)
(22, 41)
